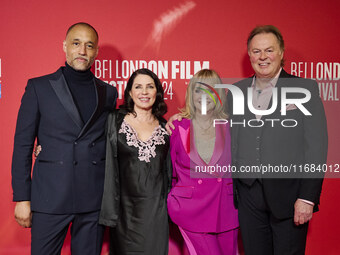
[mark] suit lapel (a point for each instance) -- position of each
(280, 83)
(184, 134)
(194, 155)
(220, 141)
(187, 141)
(239, 118)
(62, 91)
(217, 151)
(100, 104)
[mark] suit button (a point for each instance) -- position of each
(116, 197)
(75, 143)
(75, 163)
(199, 181)
(94, 162)
(219, 179)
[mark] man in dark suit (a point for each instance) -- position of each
(66, 112)
(274, 212)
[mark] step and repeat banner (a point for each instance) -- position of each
(175, 39)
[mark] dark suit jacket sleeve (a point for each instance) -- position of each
(25, 134)
(316, 144)
(111, 196)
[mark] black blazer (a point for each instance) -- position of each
(306, 143)
(68, 174)
(111, 209)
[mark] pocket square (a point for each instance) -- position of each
(291, 107)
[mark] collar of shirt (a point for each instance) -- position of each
(271, 84)
(261, 97)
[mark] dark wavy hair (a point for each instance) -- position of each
(159, 108)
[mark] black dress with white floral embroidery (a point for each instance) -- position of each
(143, 224)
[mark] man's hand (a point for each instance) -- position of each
(37, 150)
(169, 124)
(23, 214)
(303, 212)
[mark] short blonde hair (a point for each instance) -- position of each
(210, 77)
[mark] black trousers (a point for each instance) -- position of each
(49, 232)
(262, 233)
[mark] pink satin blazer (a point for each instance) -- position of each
(201, 202)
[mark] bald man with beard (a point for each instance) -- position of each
(65, 112)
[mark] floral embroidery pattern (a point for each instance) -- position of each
(146, 149)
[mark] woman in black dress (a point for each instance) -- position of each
(138, 170)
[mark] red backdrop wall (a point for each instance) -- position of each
(174, 38)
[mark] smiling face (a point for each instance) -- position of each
(143, 92)
(197, 98)
(81, 47)
(265, 55)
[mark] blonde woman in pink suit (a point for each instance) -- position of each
(200, 201)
